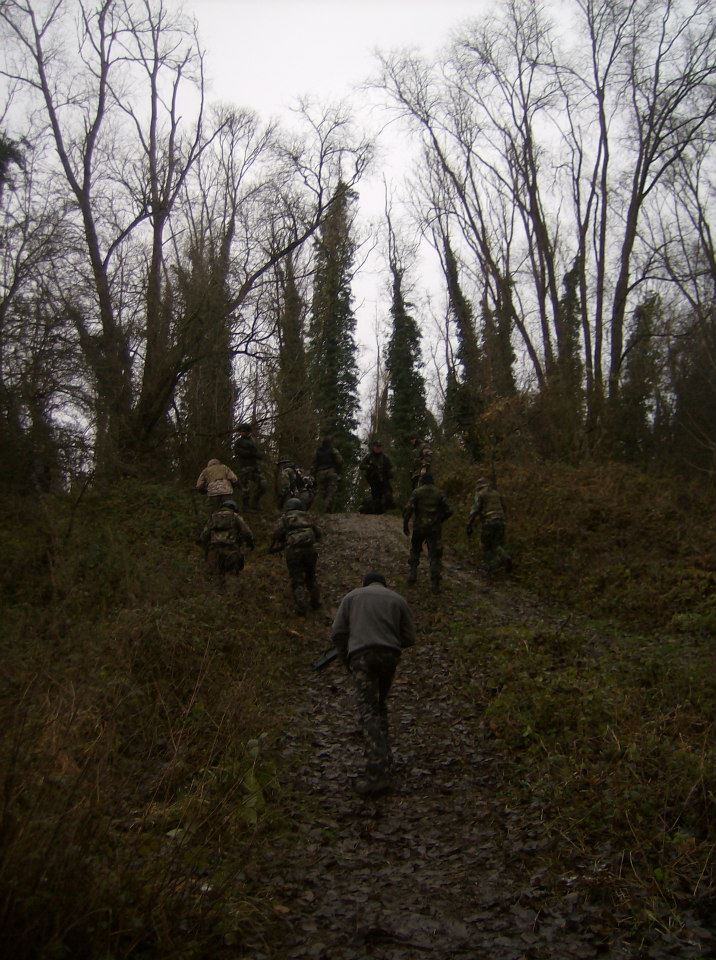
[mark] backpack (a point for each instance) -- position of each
(222, 529)
(300, 532)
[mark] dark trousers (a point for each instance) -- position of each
(372, 671)
(432, 538)
(301, 563)
(492, 537)
(381, 493)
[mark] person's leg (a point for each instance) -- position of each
(435, 556)
(331, 485)
(386, 664)
(310, 561)
(416, 546)
(294, 564)
(366, 674)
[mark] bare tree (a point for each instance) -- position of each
(550, 211)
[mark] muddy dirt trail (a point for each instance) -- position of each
(444, 867)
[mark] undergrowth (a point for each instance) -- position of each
(138, 708)
(606, 539)
(608, 712)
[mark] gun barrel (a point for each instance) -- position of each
(328, 657)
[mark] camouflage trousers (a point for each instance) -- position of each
(327, 484)
(432, 538)
(301, 563)
(381, 493)
(251, 487)
(492, 538)
(372, 671)
(223, 560)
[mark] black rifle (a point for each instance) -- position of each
(328, 657)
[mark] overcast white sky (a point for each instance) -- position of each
(264, 54)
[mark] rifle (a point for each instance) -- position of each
(325, 660)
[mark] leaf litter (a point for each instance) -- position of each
(452, 864)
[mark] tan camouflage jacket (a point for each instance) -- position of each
(216, 480)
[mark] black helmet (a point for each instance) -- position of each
(231, 504)
(293, 503)
(245, 428)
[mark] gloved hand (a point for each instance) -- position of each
(470, 529)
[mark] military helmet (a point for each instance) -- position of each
(231, 504)
(285, 460)
(245, 428)
(482, 482)
(293, 503)
(375, 442)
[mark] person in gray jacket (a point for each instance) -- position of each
(372, 626)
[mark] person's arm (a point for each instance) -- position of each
(246, 532)
(408, 513)
(445, 509)
(231, 476)
(278, 538)
(338, 461)
(316, 531)
(201, 482)
(473, 515)
(340, 631)
(407, 627)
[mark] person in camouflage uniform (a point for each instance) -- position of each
(287, 481)
(327, 467)
(252, 482)
(371, 628)
(422, 459)
(217, 481)
(378, 471)
(306, 488)
(489, 507)
(297, 534)
(430, 509)
(222, 538)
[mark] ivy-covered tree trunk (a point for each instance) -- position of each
(407, 410)
(465, 397)
(295, 418)
(209, 391)
(332, 351)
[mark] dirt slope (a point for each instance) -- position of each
(444, 867)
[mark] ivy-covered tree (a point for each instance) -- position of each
(295, 419)
(633, 408)
(465, 393)
(332, 349)
(407, 410)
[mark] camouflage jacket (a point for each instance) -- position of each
(488, 505)
(226, 529)
(422, 459)
(216, 480)
(429, 507)
(247, 452)
(294, 530)
(377, 467)
(327, 458)
(287, 484)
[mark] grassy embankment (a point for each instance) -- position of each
(137, 712)
(608, 708)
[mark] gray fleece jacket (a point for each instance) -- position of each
(372, 616)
